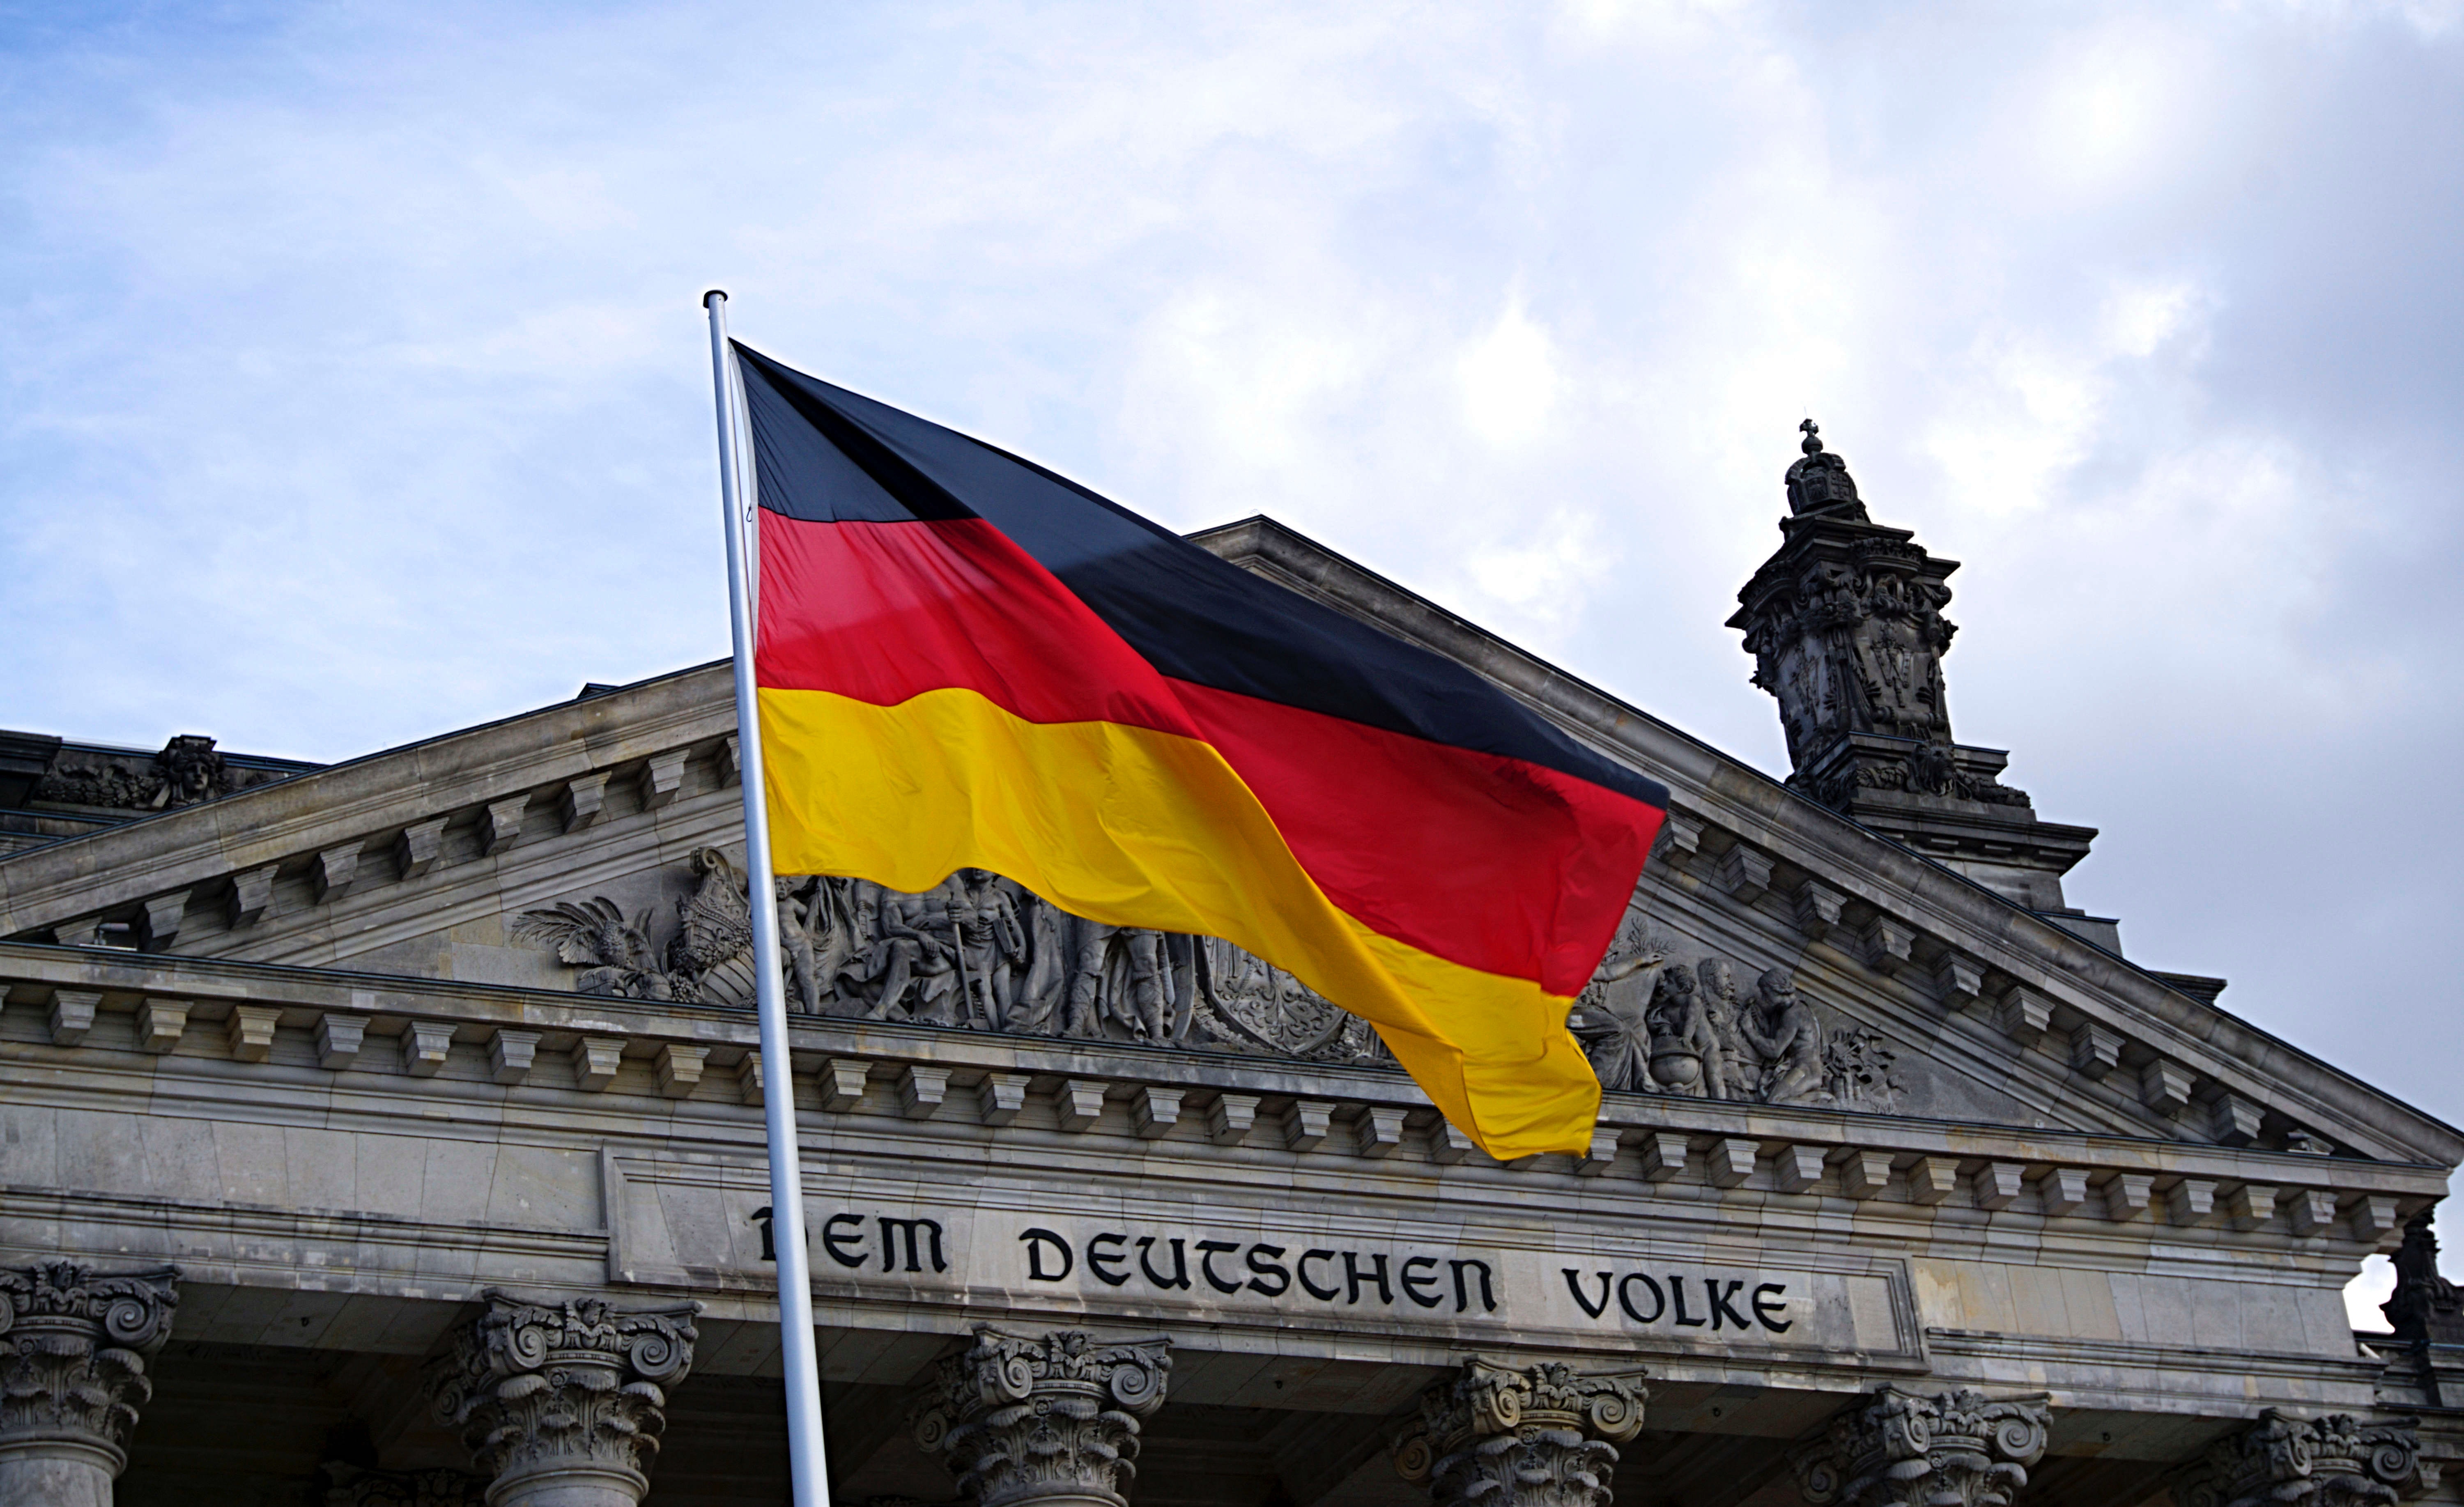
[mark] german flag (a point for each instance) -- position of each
(967, 660)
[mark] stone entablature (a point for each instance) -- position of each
(285, 1020)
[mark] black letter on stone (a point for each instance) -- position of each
(1352, 1275)
(1207, 1250)
(1323, 1295)
(1780, 1303)
(1625, 1299)
(1036, 1241)
(1412, 1283)
(1676, 1285)
(1463, 1296)
(1180, 1276)
(891, 1228)
(1574, 1285)
(1268, 1268)
(1095, 1259)
(1720, 1304)
(832, 1236)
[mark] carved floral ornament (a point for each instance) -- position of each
(1903, 1449)
(73, 1349)
(577, 1385)
(1541, 1436)
(980, 953)
(2286, 1458)
(1028, 1417)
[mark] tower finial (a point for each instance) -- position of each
(1820, 483)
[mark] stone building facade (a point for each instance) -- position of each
(388, 1134)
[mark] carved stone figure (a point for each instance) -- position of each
(1137, 1010)
(796, 941)
(564, 1404)
(74, 1346)
(187, 771)
(992, 948)
(915, 945)
(1790, 1041)
(1616, 1021)
(2335, 1461)
(1545, 1436)
(1044, 1418)
(1902, 1449)
(1728, 1071)
(980, 953)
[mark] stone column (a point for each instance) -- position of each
(1049, 1419)
(73, 1351)
(1902, 1449)
(2286, 1458)
(1545, 1436)
(561, 1405)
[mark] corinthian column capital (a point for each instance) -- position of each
(1542, 1436)
(1050, 1419)
(73, 1344)
(563, 1402)
(1902, 1449)
(2334, 1461)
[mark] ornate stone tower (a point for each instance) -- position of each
(1846, 628)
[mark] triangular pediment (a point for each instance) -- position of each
(1777, 955)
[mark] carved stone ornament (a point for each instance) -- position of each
(975, 952)
(1543, 1436)
(2426, 1308)
(1044, 1418)
(1653, 1023)
(351, 1486)
(1903, 1449)
(73, 1344)
(1845, 625)
(567, 1399)
(2286, 1458)
(187, 771)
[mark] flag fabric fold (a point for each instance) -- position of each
(967, 660)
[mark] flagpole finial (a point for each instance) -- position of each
(708, 294)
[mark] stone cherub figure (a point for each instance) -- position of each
(1781, 1027)
(1685, 1048)
(1727, 1074)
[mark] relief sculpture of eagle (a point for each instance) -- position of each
(595, 934)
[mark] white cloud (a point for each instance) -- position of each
(1510, 379)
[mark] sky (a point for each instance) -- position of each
(354, 386)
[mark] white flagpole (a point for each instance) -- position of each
(807, 1463)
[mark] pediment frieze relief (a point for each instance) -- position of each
(1669, 1015)
(977, 952)
(1690, 1004)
